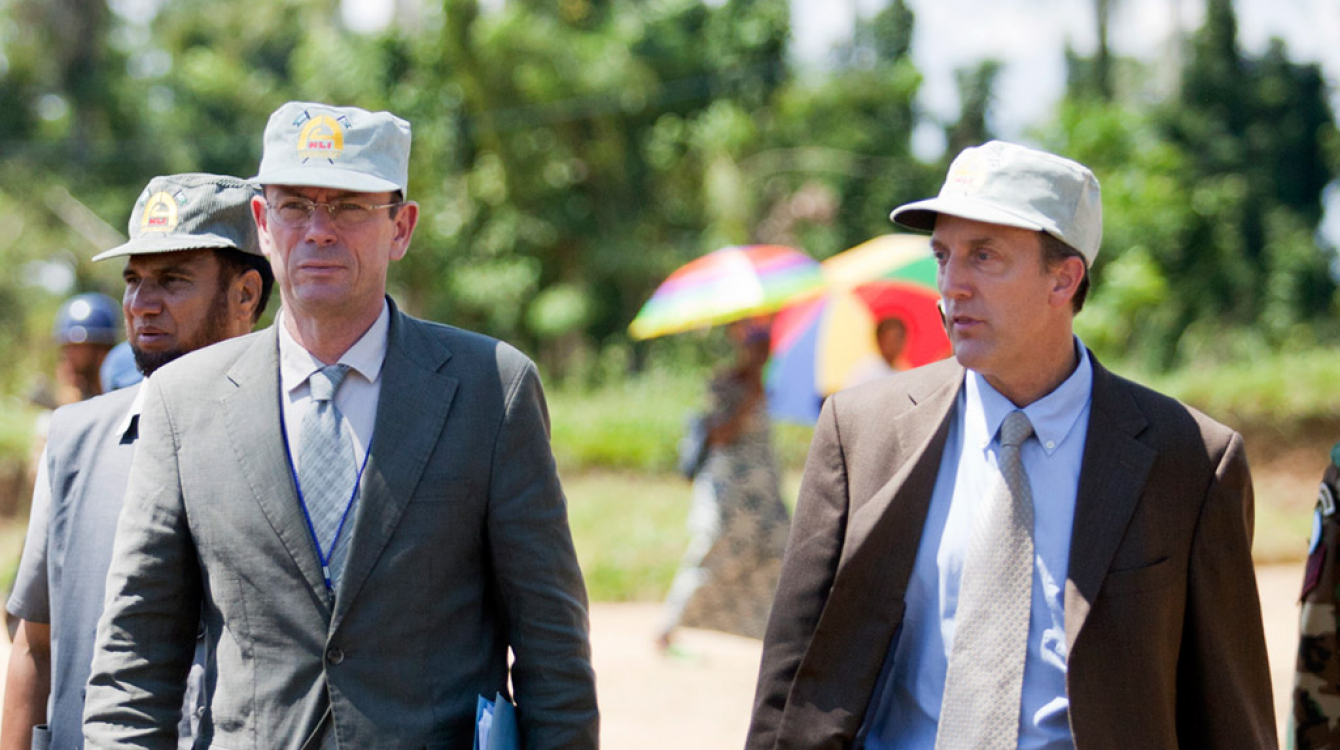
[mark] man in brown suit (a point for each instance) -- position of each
(1135, 622)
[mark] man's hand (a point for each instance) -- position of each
(27, 685)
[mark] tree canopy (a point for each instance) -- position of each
(569, 155)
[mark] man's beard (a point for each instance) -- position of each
(213, 330)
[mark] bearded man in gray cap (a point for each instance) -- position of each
(364, 504)
(194, 275)
(1015, 548)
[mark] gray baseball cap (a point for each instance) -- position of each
(193, 211)
(343, 148)
(1015, 186)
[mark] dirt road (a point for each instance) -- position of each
(703, 702)
(701, 699)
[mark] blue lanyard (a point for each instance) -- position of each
(324, 556)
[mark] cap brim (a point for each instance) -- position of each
(921, 214)
(169, 243)
(326, 177)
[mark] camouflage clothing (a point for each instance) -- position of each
(1315, 720)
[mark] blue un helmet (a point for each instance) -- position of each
(118, 368)
(88, 318)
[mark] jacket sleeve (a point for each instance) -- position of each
(1224, 690)
(538, 579)
(808, 570)
(147, 634)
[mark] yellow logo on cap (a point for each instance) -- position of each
(160, 213)
(966, 173)
(321, 137)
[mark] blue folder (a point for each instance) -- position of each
(495, 725)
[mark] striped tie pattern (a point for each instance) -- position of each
(326, 471)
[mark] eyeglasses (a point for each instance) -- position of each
(296, 213)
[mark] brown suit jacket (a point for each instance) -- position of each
(1163, 622)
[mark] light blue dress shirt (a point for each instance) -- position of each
(905, 708)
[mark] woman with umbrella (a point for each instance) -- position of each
(737, 522)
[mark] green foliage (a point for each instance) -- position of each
(1211, 203)
(629, 531)
(17, 420)
(630, 424)
(568, 156)
(1255, 390)
(975, 86)
(634, 423)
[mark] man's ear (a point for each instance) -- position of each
(406, 218)
(244, 294)
(1067, 275)
(262, 219)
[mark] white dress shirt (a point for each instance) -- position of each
(905, 709)
(358, 394)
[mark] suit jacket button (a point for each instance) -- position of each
(334, 655)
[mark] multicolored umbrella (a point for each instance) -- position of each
(819, 344)
(728, 284)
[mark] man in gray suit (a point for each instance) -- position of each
(194, 275)
(364, 504)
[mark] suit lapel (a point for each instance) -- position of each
(407, 429)
(255, 430)
(1113, 476)
(842, 663)
(918, 439)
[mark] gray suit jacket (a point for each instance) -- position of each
(61, 579)
(460, 551)
(1162, 619)
(87, 463)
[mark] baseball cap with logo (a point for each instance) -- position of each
(193, 211)
(1008, 184)
(343, 148)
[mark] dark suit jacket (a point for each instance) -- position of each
(1163, 622)
(460, 550)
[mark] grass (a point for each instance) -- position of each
(16, 429)
(616, 450)
(629, 530)
(635, 424)
(632, 424)
(1266, 392)
(1281, 534)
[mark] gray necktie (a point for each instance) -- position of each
(985, 679)
(326, 471)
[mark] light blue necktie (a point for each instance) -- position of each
(326, 470)
(985, 679)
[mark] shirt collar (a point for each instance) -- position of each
(365, 357)
(1053, 416)
(129, 428)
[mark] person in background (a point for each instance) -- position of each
(1314, 722)
(363, 504)
(86, 328)
(737, 522)
(890, 340)
(1016, 548)
(118, 368)
(193, 275)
